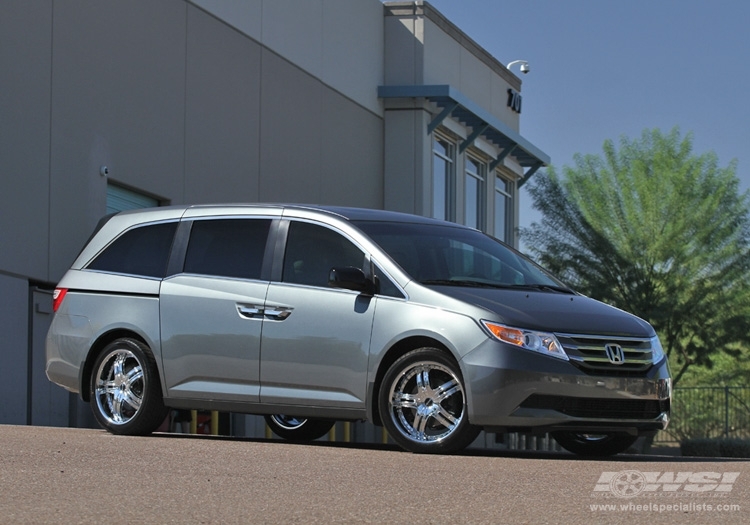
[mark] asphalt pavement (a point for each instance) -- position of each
(56, 475)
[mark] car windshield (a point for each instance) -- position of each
(436, 254)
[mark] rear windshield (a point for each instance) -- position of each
(450, 255)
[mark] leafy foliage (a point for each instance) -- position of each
(656, 230)
(724, 370)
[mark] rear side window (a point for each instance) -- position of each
(140, 251)
(227, 247)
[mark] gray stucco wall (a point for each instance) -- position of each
(177, 104)
(25, 69)
(339, 42)
(14, 370)
(118, 99)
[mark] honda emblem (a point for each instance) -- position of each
(614, 353)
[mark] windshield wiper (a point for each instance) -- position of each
(485, 284)
(464, 282)
(543, 287)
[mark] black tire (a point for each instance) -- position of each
(585, 444)
(125, 393)
(422, 403)
(298, 429)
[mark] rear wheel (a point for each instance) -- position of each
(594, 444)
(294, 428)
(124, 390)
(422, 403)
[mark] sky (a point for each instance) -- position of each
(604, 69)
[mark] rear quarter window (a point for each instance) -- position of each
(142, 251)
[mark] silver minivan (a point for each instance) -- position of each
(309, 314)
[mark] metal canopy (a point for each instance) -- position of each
(455, 104)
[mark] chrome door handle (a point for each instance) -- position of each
(249, 311)
(252, 311)
(277, 313)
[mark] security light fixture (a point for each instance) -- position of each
(524, 65)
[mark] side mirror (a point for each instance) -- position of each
(350, 278)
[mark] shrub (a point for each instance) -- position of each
(716, 447)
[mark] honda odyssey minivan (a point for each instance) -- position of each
(309, 315)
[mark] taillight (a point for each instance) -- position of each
(57, 298)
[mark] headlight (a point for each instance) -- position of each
(542, 342)
(657, 352)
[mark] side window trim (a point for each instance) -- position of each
(276, 249)
(381, 274)
(176, 263)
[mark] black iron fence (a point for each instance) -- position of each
(708, 412)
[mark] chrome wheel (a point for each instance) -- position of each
(295, 428)
(585, 444)
(119, 387)
(125, 392)
(423, 403)
(427, 402)
(288, 422)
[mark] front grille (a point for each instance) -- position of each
(599, 408)
(589, 353)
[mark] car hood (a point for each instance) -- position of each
(552, 311)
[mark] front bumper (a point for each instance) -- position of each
(511, 389)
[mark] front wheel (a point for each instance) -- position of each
(297, 428)
(124, 390)
(594, 444)
(422, 403)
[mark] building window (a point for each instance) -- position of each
(474, 193)
(503, 210)
(443, 161)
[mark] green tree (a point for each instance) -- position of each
(654, 229)
(725, 370)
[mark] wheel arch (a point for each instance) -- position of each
(391, 355)
(96, 348)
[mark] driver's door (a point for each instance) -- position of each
(316, 339)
